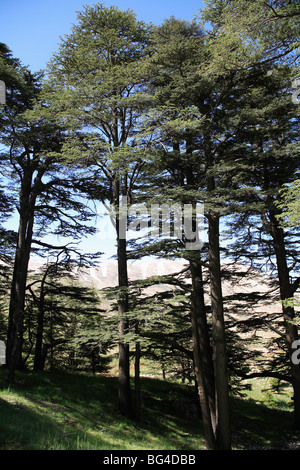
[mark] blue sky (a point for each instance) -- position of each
(32, 28)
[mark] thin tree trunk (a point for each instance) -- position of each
(198, 305)
(218, 332)
(204, 368)
(286, 292)
(201, 385)
(39, 359)
(124, 362)
(137, 382)
(223, 434)
(125, 406)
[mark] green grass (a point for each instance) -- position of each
(77, 411)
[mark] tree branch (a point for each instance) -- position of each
(274, 375)
(47, 245)
(295, 285)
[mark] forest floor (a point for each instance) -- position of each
(78, 411)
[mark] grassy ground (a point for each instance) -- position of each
(76, 411)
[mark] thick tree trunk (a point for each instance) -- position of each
(223, 433)
(286, 292)
(203, 357)
(124, 361)
(198, 304)
(39, 357)
(18, 288)
(218, 333)
(125, 406)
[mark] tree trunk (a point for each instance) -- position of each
(201, 384)
(137, 382)
(18, 288)
(124, 362)
(218, 333)
(198, 305)
(223, 434)
(286, 292)
(39, 357)
(125, 406)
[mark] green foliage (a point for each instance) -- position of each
(179, 113)
(290, 204)
(245, 34)
(77, 411)
(71, 317)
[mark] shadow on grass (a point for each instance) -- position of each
(256, 426)
(22, 428)
(77, 411)
(171, 412)
(53, 412)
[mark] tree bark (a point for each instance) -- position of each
(198, 304)
(286, 292)
(124, 360)
(202, 357)
(218, 333)
(39, 357)
(137, 382)
(125, 406)
(223, 434)
(18, 288)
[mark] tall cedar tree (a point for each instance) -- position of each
(31, 161)
(97, 85)
(268, 130)
(59, 312)
(187, 124)
(54, 294)
(10, 77)
(248, 40)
